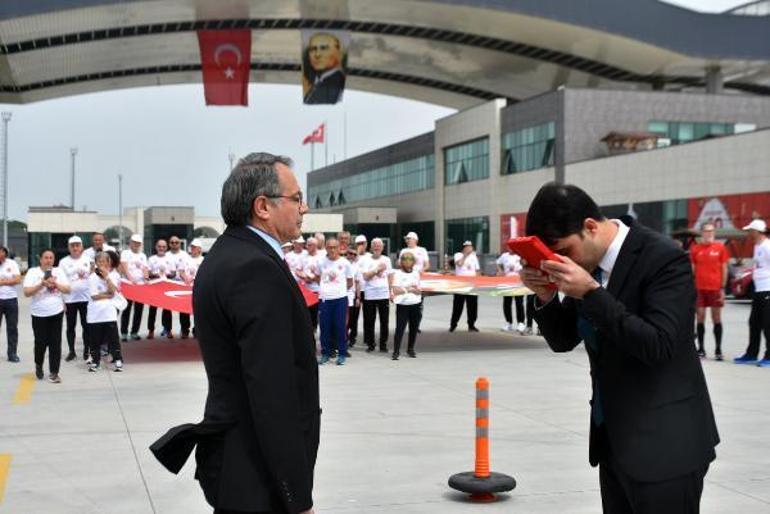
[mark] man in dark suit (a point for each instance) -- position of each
(628, 294)
(258, 441)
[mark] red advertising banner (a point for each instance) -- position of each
(226, 64)
(176, 296)
(730, 212)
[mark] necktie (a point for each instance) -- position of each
(588, 334)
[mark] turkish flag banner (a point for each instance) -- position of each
(317, 136)
(176, 296)
(226, 64)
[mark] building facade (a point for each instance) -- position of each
(474, 176)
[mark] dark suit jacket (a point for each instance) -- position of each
(257, 443)
(327, 91)
(657, 410)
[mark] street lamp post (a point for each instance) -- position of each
(73, 153)
(6, 118)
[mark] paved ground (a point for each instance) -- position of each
(393, 432)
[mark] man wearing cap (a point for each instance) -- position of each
(421, 262)
(466, 265)
(178, 258)
(296, 258)
(77, 267)
(134, 268)
(97, 245)
(193, 262)
(759, 319)
(286, 248)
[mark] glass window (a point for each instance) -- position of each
(460, 230)
(395, 179)
(466, 162)
(679, 132)
(528, 149)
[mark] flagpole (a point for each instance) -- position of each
(326, 143)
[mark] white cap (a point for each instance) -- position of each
(136, 238)
(412, 235)
(360, 238)
(74, 240)
(467, 243)
(196, 242)
(287, 244)
(300, 240)
(758, 225)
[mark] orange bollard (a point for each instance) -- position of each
(482, 484)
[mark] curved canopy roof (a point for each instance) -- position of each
(450, 52)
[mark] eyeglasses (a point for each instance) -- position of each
(294, 198)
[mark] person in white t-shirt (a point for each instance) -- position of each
(375, 271)
(46, 285)
(178, 258)
(354, 298)
(406, 294)
(77, 267)
(343, 237)
(135, 269)
(336, 277)
(321, 238)
(296, 258)
(421, 262)
(759, 319)
(160, 267)
(310, 275)
(466, 265)
(509, 264)
(98, 244)
(103, 286)
(10, 277)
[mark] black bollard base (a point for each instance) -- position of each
(482, 489)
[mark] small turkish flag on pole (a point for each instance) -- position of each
(226, 63)
(317, 136)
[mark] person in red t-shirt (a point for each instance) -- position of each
(709, 264)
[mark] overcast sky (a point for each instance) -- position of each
(173, 150)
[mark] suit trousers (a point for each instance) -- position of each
(623, 495)
(73, 310)
(457, 309)
(47, 333)
(10, 309)
(126, 315)
(759, 323)
(371, 309)
(332, 315)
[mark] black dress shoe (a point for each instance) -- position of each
(383, 349)
(394, 357)
(412, 354)
(473, 329)
(39, 372)
(452, 328)
(369, 349)
(14, 358)
(71, 356)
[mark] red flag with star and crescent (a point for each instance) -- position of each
(226, 63)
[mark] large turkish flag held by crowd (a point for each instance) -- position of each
(226, 63)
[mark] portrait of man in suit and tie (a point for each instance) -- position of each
(324, 66)
(258, 441)
(627, 293)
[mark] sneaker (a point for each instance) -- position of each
(104, 350)
(39, 372)
(150, 334)
(394, 357)
(135, 337)
(718, 356)
(185, 335)
(71, 356)
(124, 337)
(93, 367)
(521, 328)
(54, 378)
(383, 349)
(169, 335)
(764, 363)
(163, 333)
(473, 329)
(118, 365)
(702, 354)
(369, 349)
(14, 358)
(323, 360)
(528, 331)
(412, 354)
(89, 360)
(506, 328)
(341, 360)
(745, 359)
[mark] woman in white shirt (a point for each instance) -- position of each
(406, 294)
(466, 265)
(10, 277)
(45, 285)
(103, 286)
(375, 271)
(336, 278)
(509, 264)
